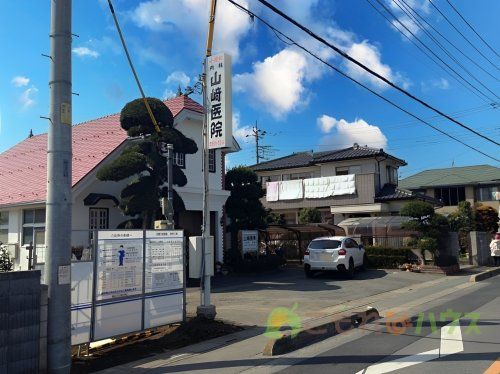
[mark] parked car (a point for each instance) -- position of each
(339, 253)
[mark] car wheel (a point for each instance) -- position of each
(309, 273)
(365, 262)
(350, 270)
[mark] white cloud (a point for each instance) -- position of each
(20, 81)
(240, 133)
(178, 16)
(277, 83)
(85, 52)
(27, 98)
(422, 7)
(369, 55)
(178, 78)
(343, 134)
(168, 94)
(440, 84)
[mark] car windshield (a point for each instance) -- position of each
(324, 244)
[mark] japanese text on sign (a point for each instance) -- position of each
(219, 101)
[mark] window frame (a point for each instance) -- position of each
(4, 227)
(33, 226)
(341, 170)
(98, 209)
(479, 195)
(212, 161)
(449, 195)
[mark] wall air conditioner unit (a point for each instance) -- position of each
(13, 249)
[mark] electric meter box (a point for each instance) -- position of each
(195, 256)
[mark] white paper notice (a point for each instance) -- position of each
(164, 258)
(64, 274)
(119, 264)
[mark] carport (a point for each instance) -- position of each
(384, 231)
(293, 239)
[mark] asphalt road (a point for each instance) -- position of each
(249, 299)
(421, 346)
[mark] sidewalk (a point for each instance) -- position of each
(243, 350)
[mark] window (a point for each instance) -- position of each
(180, 159)
(341, 170)
(486, 193)
(296, 176)
(4, 227)
(33, 221)
(98, 218)
(392, 175)
(212, 161)
(324, 244)
(450, 196)
(350, 243)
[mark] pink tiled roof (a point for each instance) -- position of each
(23, 168)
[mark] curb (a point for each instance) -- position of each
(484, 275)
(309, 335)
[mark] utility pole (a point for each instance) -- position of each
(206, 309)
(261, 151)
(58, 201)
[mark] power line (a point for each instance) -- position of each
(356, 81)
(447, 40)
(463, 36)
(440, 63)
(431, 51)
(472, 28)
(262, 152)
(364, 67)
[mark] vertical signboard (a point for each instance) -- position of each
(164, 260)
(249, 241)
(119, 264)
(219, 99)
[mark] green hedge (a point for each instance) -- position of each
(388, 258)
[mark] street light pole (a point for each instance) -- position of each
(58, 201)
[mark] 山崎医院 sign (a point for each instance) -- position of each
(219, 92)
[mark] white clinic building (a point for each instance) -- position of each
(96, 143)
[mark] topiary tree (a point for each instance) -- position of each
(243, 206)
(309, 215)
(486, 218)
(145, 162)
(431, 226)
(462, 221)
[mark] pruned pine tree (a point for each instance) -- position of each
(144, 161)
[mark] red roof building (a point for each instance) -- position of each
(23, 168)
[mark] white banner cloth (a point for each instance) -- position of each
(291, 190)
(317, 188)
(272, 191)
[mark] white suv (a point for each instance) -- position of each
(334, 253)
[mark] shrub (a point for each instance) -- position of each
(5, 260)
(388, 258)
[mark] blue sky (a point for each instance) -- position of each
(302, 104)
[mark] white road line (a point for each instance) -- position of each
(400, 363)
(451, 340)
(451, 343)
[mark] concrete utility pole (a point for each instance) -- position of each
(58, 202)
(206, 309)
(262, 152)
